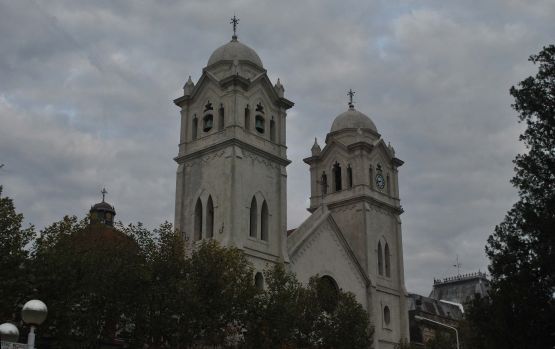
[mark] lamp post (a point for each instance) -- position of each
(9, 332)
(417, 317)
(33, 313)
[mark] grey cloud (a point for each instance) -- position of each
(86, 90)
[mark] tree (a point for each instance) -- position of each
(521, 308)
(13, 260)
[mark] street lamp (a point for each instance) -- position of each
(33, 313)
(9, 332)
(417, 317)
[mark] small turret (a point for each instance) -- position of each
(188, 87)
(103, 212)
(279, 88)
(316, 150)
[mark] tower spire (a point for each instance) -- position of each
(351, 93)
(234, 22)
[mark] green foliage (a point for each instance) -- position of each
(521, 311)
(13, 257)
(148, 289)
(290, 315)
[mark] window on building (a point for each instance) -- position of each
(337, 176)
(221, 118)
(387, 261)
(328, 293)
(272, 130)
(386, 315)
(349, 176)
(388, 184)
(208, 122)
(253, 218)
(194, 128)
(264, 222)
(259, 123)
(210, 218)
(247, 118)
(324, 183)
(198, 221)
(259, 281)
(380, 258)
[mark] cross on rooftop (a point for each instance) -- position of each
(104, 192)
(351, 93)
(234, 21)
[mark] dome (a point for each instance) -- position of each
(352, 118)
(234, 50)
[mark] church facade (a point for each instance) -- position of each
(232, 186)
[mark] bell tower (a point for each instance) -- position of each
(355, 178)
(231, 176)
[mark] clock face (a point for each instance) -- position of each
(380, 181)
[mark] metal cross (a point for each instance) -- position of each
(234, 21)
(351, 93)
(458, 266)
(104, 192)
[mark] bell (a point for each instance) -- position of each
(259, 124)
(208, 123)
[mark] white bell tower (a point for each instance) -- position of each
(231, 178)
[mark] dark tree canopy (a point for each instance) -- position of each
(521, 308)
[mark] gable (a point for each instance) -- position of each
(317, 247)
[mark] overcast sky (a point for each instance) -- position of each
(86, 90)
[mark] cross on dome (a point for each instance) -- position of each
(351, 93)
(234, 21)
(104, 192)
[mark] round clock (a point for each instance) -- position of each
(380, 181)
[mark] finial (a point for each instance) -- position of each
(234, 21)
(351, 93)
(104, 192)
(458, 266)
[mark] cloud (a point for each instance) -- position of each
(86, 90)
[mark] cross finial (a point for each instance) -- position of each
(458, 266)
(104, 192)
(234, 21)
(351, 93)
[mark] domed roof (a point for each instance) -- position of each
(234, 50)
(352, 118)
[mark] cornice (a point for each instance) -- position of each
(369, 199)
(233, 142)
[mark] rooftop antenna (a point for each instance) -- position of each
(104, 192)
(458, 266)
(351, 93)
(234, 21)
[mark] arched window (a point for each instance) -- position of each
(259, 281)
(247, 118)
(324, 183)
(349, 176)
(208, 122)
(264, 222)
(198, 221)
(386, 315)
(387, 261)
(208, 119)
(209, 218)
(221, 119)
(272, 130)
(337, 176)
(253, 218)
(380, 258)
(259, 123)
(371, 176)
(328, 293)
(194, 128)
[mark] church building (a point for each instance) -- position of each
(232, 186)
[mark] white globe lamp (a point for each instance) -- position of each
(33, 313)
(9, 333)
